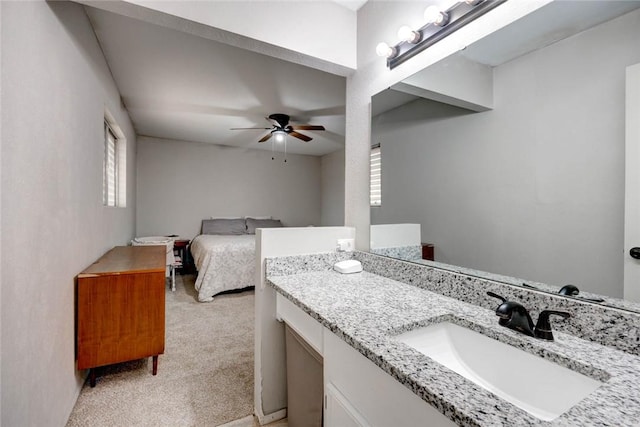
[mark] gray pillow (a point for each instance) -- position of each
(253, 223)
(224, 226)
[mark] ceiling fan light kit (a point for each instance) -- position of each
(439, 24)
(279, 136)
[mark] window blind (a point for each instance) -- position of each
(110, 187)
(375, 180)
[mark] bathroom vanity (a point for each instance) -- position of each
(374, 376)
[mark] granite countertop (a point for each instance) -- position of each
(367, 311)
(531, 284)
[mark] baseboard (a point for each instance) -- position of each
(274, 416)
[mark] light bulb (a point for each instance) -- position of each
(433, 15)
(279, 136)
(473, 2)
(405, 33)
(385, 50)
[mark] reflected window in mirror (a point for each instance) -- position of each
(375, 180)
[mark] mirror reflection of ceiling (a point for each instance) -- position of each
(554, 22)
(547, 25)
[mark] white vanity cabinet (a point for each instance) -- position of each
(356, 391)
(305, 326)
(338, 410)
(374, 397)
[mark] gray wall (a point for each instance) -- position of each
(534, 188)
(55, 86)
(332, 183)
(180, 183)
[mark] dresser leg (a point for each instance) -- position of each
(155, 365)
(92, 377)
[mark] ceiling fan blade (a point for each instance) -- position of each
(249, 128)
(264, 138)
(307, 127)
(300, 136)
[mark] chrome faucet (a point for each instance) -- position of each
(514, 315)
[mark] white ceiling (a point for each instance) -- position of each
(183, 87)
(553, 22)
(180, 86)
(351, 4)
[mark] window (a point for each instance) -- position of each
(109, 188)
(375, 189)
(114, 168)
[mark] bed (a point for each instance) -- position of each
(224, 254)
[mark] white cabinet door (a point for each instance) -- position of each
(338, 412)
(370, 396)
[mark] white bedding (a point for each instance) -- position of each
(223, 263)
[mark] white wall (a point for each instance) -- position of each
(181, 183)
(55, 86)
(270, 371)
(534, 188)
(332, 183)
(300, 26)
(317, 34)
(395, 235)
(455, 80)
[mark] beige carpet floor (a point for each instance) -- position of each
(205, 377)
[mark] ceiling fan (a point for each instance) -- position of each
(281, 128)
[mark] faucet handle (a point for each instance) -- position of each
(493, 294)
(569, 290)
(543, 327)
(504, 310)
(573, 291)
(513, 315)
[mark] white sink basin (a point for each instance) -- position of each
(540, 387)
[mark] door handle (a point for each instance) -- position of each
(635, 253)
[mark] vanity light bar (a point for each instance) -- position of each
(459, 15)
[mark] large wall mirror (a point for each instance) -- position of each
(509, 155)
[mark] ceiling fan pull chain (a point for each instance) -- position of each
(285, 149)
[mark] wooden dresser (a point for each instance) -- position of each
(121, 306)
